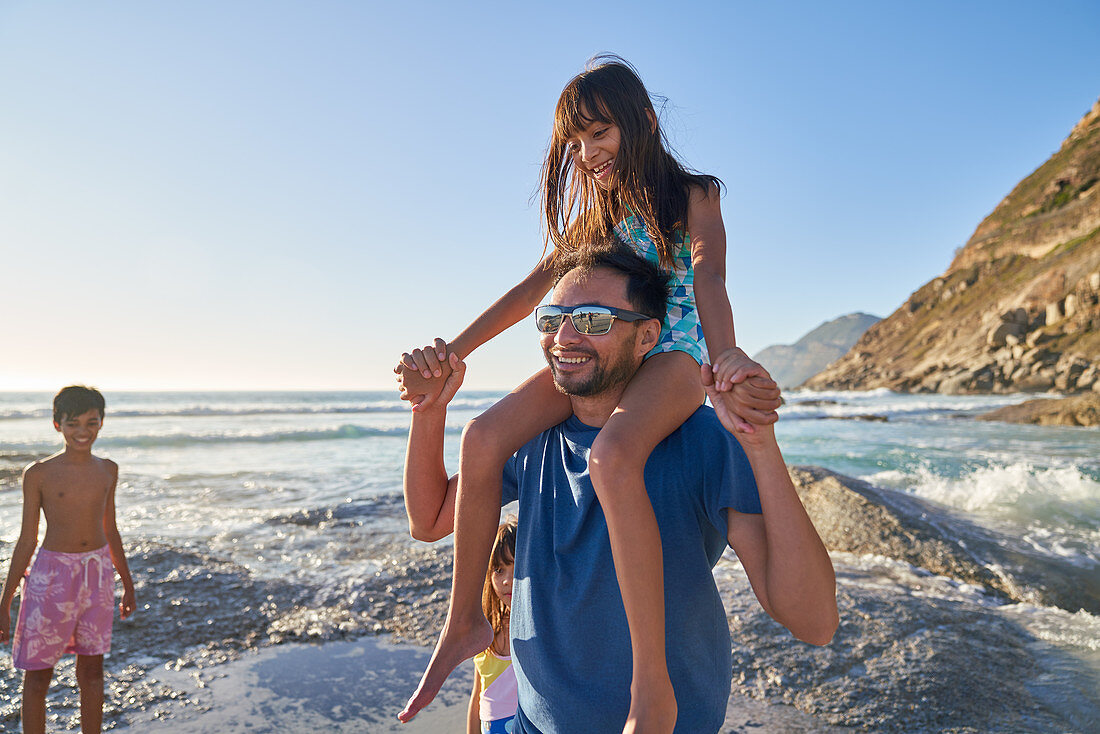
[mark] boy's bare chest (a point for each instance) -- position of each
(66, 491)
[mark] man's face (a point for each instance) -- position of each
(584, 365)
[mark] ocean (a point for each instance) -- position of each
(254, 519)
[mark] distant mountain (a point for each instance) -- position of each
(1017, 310)
(792, 364)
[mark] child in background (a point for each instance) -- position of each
(67, 603)
(609, 174)
(494, 699)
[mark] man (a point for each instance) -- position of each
(570, 642)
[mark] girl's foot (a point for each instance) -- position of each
(457, 642)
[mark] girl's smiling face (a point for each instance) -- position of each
(594, 150)
(502, 583)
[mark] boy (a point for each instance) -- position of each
(68, 597)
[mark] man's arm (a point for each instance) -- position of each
(429, 492)
(786, 562)
(24, 547)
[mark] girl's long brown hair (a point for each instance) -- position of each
(648, 180)
(504, 553)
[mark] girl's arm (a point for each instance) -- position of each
(473, 713)
(114, 544)
(24, 547)
(708, 259)
(417, 368)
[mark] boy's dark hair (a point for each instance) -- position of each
(77, 400)
(646, 284)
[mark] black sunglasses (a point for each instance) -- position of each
(588, 319)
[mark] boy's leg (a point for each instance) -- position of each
(89, 678)
(35, 685)
(663, 394)
(487, 443)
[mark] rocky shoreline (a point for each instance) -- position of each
(1078, 410)
(931, 637)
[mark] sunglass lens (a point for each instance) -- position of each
(591, 322)
(548, 320)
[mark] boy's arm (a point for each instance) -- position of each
(114, 544)
(418, 368)
(24, 546)
(783, 556)
(429, 492)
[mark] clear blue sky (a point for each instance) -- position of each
(288, 194)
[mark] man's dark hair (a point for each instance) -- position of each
(646, 284)
(77, 400)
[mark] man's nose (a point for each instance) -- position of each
(567, 334)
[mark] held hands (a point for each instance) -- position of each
(733, 367)
(420, 372)
(440, 390)
(751, 401)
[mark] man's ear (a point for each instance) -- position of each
(649, 332)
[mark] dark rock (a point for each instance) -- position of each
(854, 516)
(1079, 410)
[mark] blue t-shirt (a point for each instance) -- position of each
(570, 641)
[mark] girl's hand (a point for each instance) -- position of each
(450, 385)
(426, 361)
(418, 372)
(752, 401)
(733, 366)
(5, 625)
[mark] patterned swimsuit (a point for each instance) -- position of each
(680, 330)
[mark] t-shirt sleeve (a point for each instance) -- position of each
(728, 480)
(510, 479)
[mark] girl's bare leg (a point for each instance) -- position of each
(663, 393)
(488, 442)
(89, 678)
(35, 685)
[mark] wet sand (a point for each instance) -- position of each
(355, 686)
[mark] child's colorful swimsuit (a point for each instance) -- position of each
(499, 693)
(680, 330)
(67, 606)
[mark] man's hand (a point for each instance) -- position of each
(420, 373)
(751, 401)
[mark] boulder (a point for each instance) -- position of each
(854, 516)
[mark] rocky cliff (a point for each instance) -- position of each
(792, 364)
(1019, 307)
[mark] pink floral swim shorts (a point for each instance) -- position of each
(67, 606)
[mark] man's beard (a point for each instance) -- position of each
(599, 379)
